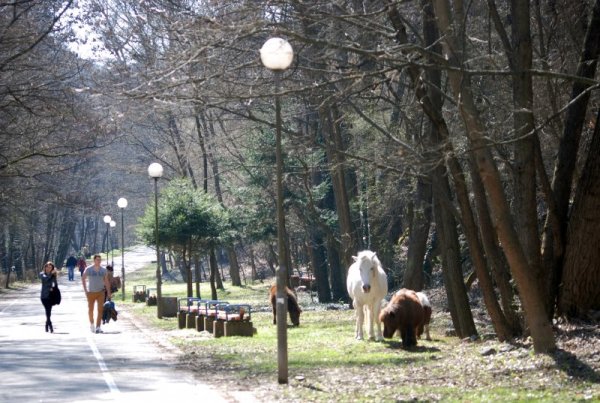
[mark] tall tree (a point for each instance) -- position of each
(580, 286)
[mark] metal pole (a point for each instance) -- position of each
(122, 256)
(281, 311)
(107, 249)
(112, 252)
(158, 273)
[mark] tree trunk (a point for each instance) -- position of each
(334, 146)
(207, 122)
(567, 156)
(535, 312)
(214, 274)
(493, 254)
(337, 272)
(431, 103)
(197, 274)
(187, 263)
(580, 288)
(458, 301)
(318, 259)
(417, 241)
(67, 229)
(219, 274)
(253, 265)
(525, 202)
(179, 148)
(234, 266)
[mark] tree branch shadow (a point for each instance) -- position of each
(574, 367)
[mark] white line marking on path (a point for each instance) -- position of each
(110, 382)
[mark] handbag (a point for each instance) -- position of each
(55, 296)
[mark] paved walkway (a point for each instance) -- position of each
(74, 365)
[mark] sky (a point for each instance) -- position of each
(88, 45)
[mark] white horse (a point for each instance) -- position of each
(367, 286)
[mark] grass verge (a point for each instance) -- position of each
(326, 363)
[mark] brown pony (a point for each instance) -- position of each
(404, 313)
(293, 308)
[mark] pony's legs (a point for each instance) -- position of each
(427, 332)
(370, 319)
(377, 310)
(360, 317)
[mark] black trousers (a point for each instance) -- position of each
(48, 307)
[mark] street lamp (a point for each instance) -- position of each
(122, 203)
(276, 54)
(112, 250)
(107, 221)
(155, 171)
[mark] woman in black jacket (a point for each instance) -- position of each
(48, 277)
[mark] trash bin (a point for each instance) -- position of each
(169, 307)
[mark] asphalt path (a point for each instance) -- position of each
(125, 363)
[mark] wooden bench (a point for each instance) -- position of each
(233, 320)
(187, 310)
(207, 313)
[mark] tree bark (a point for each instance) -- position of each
(335, 146)
(580, 288)
(524, 127)
(535, 312)
(458, 300)
(187, 264)
(417, 241)
(214, 274)
(493, 254)
(567, 157)
(318, 259)
(197, 274)
(431, 103)
(337, 272)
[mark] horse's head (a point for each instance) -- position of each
(295, 315)
(389, 318)
(368, 265)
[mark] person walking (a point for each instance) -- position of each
(95, 281)
(48, 276)
(82, 264)
(71, 263)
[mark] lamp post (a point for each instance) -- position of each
(122, 203)
(112, 250)
(107, 221)
(155, 171)
(276, 54)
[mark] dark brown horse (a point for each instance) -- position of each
(293, 308)
(405, 313)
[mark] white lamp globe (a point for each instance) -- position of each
(107, 219)
(113, 224)
(155, 170)
(122, 202)
(276, 54)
